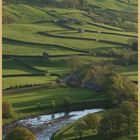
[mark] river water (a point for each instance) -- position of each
(45, 126)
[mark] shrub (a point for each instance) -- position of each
(19, 133)
(7, 110)
(92, 122)
(128, 57)
(133, 44)
(66, 102)
(79, 128)
(114, 52)
(38, 105)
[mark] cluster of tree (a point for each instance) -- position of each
(130, 26)
(21, 86)
(133, 44)
(74, 63)
(113, 52)
(128, 57)
(122, 119)
(125, 20)
(95, 75)
(119, 89)
(20, 133)
(7, 110)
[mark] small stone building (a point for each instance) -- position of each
(81, 30)
(45, 56)
(72, 80)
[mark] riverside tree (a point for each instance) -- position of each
(92, 122)
(74, 63)
(120, 122)
(79, 128)
(119, 89)
(7, 110)
(19, 133)
(129, 111)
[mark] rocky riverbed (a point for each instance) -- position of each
(45, 126)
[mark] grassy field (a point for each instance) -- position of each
(31, 49)
(114, 5)
(98, 36)
(24, 26)
(60, 65)
(131, 72)
(27, 80)
(29, 34)
(54, 65)
(26, 103)
(36, 65)
(14, 66)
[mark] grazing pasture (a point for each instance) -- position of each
(29, 34)
(26, 103)
(45, 43)
(10, 82)
(14, 66)
(114, 5)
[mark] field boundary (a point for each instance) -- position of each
(102, 32)
(23, 89)
(59, 46)
(79, 38)
(22, 75)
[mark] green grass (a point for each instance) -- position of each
(96, 28)
(23, 13)
(54, 65)
(12, 47)
(27, 19)
(131, 72)
(27, 80)
(98, 36)
(60, 65)
(13, 66)
(28, 32)
(113, 5)
(26, 103)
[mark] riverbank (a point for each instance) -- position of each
(26, 104)
(45, 125)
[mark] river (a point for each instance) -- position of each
(45, 126)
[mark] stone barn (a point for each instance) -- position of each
(45, 56)
(81, 30)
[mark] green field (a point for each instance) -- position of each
(29, 34)
(25, 104)
(114, 5)
(21, 37)
(131, 72)
(27, 80)
(14, 66)
(97, 36)
(99, 32)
